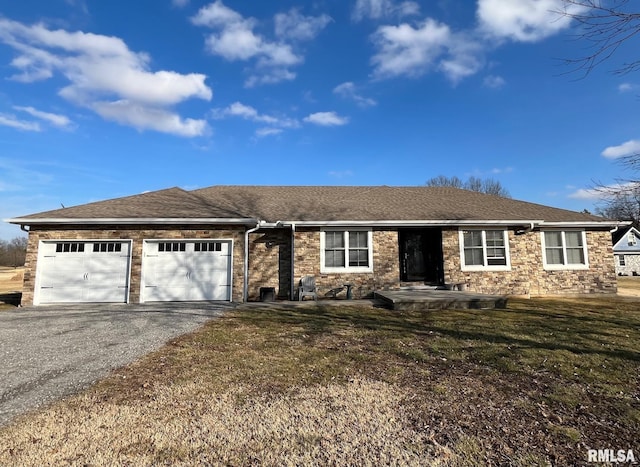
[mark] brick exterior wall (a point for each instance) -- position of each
(528, 276)
(386, 272)
(137, 235)
(270, 262)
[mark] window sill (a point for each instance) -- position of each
(345, 270)
(566, 267)
(485, 268)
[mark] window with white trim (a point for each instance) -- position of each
(346, 251)
(564, 249)
(631, 238)
(484, 250)
(621, 261)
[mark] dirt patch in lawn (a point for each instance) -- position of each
(538, 383)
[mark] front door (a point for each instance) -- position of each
(421, 255)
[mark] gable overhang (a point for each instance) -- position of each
(623, 239)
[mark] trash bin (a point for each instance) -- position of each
(267, 294)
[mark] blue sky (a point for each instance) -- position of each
(102, 99)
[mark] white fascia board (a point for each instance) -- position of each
(413, 223)
(133, 221)
(584, 224)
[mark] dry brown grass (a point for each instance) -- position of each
(11, 279)
(629, 286)
(538, 383)
(358, 423)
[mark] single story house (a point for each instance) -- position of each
(626, 248)
(229, 242)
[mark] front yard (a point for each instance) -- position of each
(541, 382)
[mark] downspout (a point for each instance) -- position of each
(245, 287)
(293, 262)
(614, 230)
(23, 228)
(527, 229)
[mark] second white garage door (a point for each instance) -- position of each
(186, 270)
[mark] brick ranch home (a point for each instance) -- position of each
(228, 242)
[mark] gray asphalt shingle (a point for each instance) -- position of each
(318, 203)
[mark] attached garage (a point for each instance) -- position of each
(186, 270)
(83, 271)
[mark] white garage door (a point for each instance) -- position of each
(83, 271)
(186, 270)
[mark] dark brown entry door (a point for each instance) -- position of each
(421, 255)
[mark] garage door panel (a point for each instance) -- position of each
(193, 270)
(83, 271)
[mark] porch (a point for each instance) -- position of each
(435, 299)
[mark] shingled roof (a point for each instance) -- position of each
(315, 203)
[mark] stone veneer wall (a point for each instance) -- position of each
(528, 276)
(386, 273)
(270, 262)
(632, 264)
(137, 234)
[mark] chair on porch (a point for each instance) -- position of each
(307, 288)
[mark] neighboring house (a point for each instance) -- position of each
(228, 242)
(626, 249)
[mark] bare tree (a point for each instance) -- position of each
(606, 25)
(621, 203)
(13, 252)
(486, 185)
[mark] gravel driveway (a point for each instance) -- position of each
(50, 352)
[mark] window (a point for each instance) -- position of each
(631, 239)
(107, 247)
(207, 246)
(70, 247)
(621, 261)
(564, 249)
(346, 251)
(484, 249)
(172, 246)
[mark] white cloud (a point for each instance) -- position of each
(101, 70)
(60, 121)
(493, 82)
(405, 50)
(262, 132)
(624, 87)
(604, 192)
(627, 87)
(238, 109)
(144, 117)
(326, 119)
(13, 122)
(625, 149)
(379, 9)
(274, 76)
(293, 25)
(234, 39)
(524, 20)
(348, 90)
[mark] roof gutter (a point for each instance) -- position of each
(133, 221)
(587, 224)
(528, 225)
